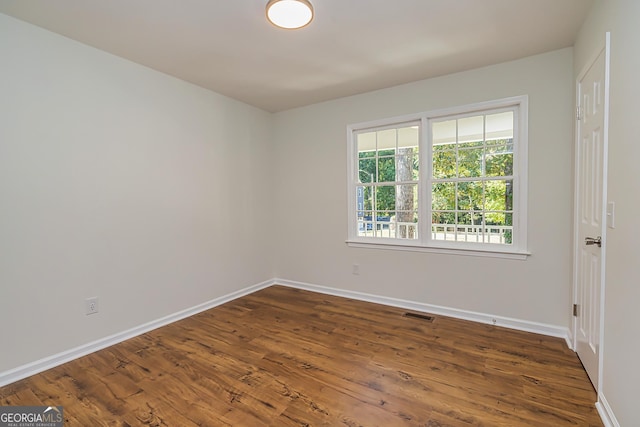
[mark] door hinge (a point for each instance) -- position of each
(575, 310)
(578, 113)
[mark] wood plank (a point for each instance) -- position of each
(288, 357)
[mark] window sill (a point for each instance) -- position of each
(402, 246)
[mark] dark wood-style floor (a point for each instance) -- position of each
(286, 357)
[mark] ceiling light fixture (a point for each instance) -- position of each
(289, 14)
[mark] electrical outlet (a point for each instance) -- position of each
(356, 269)
(91, 306)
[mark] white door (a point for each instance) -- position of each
(590, 212)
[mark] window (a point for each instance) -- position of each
(387, 184)
(451, 180)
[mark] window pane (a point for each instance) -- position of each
(444, 163)
(366, 142)
(470, 162)
(382, 225)
(407, 202)
(444, 132)
(364, 199)
(499, 195)
(416, 165)
(495, 218)
(499, 159)
(443, 196)
(471, 129)
(368, 198)
(442, 226)
(386, 139)
(360, 201)
(364, 222)
(498, 234)
(366, 170)
(407, 165)
(470, 218)
(406, 230)
(386, 169)
(508, 232)
(499, 126)
(386, 198)
(408, 137)
(470, 195)
(469, 227)
(406, 219)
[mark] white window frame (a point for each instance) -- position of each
(425, 242)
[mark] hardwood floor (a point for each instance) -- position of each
(286, 357)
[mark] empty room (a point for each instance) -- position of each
(319, 212)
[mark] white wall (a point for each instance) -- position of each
(119, 182)
(621, 373)
(115, 181)
(312, 197)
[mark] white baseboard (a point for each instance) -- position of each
(33, 368)
(606, 413)
(521, 325)
(41, 365)
(8, 377)
(569, 339)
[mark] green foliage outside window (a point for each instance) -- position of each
(468, 202)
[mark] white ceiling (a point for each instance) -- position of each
(352, 46)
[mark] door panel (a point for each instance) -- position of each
(590, 189)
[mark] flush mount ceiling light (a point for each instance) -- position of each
(289, 14)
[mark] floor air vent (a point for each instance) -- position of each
(419, 316)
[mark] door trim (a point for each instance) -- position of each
(576, 244)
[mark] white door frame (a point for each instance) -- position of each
(605, 219)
